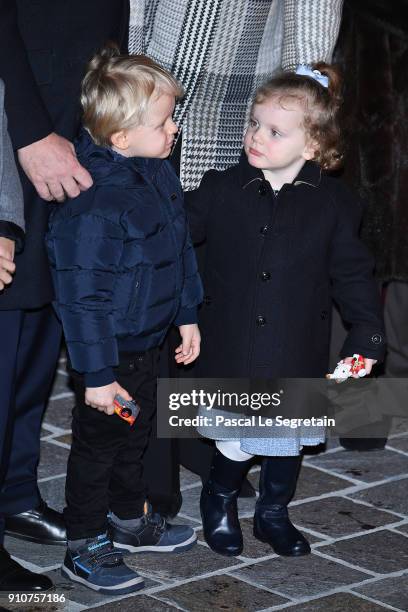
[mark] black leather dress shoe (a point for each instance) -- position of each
(42, 525)
(14, 577)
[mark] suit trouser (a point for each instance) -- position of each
(396, 330)
(30, 342)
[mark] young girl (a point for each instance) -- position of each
(281, 242)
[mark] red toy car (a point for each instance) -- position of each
(126, 410)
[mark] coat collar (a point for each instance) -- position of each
(109, 167)
(310, 173)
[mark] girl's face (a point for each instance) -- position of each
(275, 138)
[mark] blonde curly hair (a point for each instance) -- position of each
(117, 89)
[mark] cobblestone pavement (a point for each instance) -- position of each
(352, 506)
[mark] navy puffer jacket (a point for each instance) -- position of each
(122, 261)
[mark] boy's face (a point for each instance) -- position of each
(155, 137)
(275, 138)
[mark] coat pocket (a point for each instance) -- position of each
(140, 292)
(135, 293)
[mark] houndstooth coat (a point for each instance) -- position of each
(221, 51)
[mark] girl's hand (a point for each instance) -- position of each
(7, 265)
(102, 398)
(368, 365)
(189, 349)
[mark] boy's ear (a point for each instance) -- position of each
(120, 140)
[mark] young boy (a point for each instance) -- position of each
(124, 270)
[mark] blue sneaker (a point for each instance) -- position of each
(154, 534)
(98, 566)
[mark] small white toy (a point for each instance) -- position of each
(346, 370)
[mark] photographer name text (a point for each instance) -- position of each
(254, 420)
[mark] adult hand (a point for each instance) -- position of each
(102, 398)
(52, 167)
(7, 265)
(189, 349)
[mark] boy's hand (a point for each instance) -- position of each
(368, 365)
(189, 349)
(7, 265)
(102, 398)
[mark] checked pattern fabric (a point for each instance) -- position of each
(221, 51)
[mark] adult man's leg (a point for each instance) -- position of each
(13, 577)
(396, 327)
(364, 438)
(27, 516)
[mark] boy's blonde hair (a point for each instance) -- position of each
(117, 89)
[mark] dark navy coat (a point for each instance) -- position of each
(121, 257)
(273, 265)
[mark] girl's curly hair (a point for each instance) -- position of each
(321, 108)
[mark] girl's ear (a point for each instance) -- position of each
(120, 140)
(310, 150)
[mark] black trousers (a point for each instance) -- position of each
(165, 455)
(29, 350)
(105, 464)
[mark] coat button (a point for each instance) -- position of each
(265, 276)
(262, 190)
(323, 314)
(207, 300)
(377, 338)
(263, 230)
(140, 358)
(260, 321)
(131, 365)
(173, 196)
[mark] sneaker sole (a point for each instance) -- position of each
(186, 545)
(127, 587)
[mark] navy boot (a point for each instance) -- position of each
(272, 525)
(218, 505)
